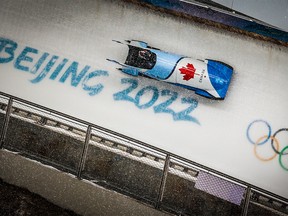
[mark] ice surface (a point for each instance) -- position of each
(83, 32)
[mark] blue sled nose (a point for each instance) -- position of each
(220, 75)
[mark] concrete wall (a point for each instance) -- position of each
(110, 168)
(67, 191)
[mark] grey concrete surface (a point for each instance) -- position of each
(20, 201)
(121, 172)
(42, 142)
(67, 191)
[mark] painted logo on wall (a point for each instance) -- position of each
(46, 66)
(163, 107)
(276, 150)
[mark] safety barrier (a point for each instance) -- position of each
(115, 161)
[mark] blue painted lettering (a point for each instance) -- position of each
(24, 57)
(8, 47)
(39, 63)
(46, 70)
(151, 102)
(183, 115)
(95, 89)
(44, 66)
(75, 80)
(163, 107)
(58, 69)
(123, 95)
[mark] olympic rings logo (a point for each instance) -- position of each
(274, 143)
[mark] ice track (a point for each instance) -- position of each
(83, 32)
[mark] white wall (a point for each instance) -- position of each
(82, 32)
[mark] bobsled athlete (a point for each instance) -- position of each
(141, 58)
(208, 78)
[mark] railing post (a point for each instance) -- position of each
(5, 124)
(246, 202)
(84, 153)
(163, 182)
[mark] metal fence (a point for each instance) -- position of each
(149, 174)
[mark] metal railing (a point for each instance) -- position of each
(89, 133)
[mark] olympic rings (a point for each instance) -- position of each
(256, 144)
(274, 135)
(274, 143)
(268, 136)
(280, 158)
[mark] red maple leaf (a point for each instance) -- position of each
(189, 71)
